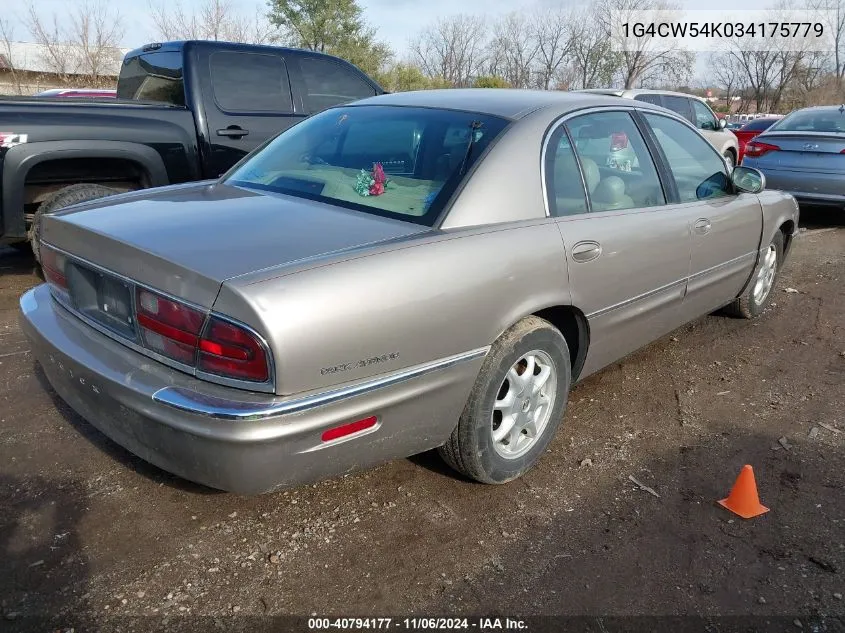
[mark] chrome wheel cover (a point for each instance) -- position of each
(523, 405)
(766, 275)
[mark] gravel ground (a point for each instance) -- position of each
(91, 535)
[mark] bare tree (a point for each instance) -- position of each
(82, 43)
(727, 74)
(513, 50)
(836, 26)
(212, 20)
(452, 48)
(96, 32)
(8, 61)
(593, 62)
(642, 61)
(552, 33)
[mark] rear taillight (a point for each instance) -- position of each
(222, 348)
(226, 349)
(53, 266)
(755, 149)
(169, 327)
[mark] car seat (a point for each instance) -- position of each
(610, 194)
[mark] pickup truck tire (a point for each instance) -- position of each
(480, 447)
(754, 299)
(59, 200)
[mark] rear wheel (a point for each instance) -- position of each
(515, 406)
(758, 294)
(61, 199)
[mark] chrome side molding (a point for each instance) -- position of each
(197, 403)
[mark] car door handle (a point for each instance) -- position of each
(586, 251)
(233, 131)
(702, 226)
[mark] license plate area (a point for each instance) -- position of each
(102, 298)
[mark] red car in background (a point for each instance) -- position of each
(79, 93)
(750, 130)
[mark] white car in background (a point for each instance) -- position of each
(693, 109)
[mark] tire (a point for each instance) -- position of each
(472, 449)
(729, 157)
(59, 200)
(752, 302)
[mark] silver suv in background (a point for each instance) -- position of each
(692, 108)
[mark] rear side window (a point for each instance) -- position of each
(328, 83)
(648, 98)
(152, 77)
(681, 105)
(564, 185)
(697, 168)
(250, 82)
(617, 165)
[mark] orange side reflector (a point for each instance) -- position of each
(349, 429)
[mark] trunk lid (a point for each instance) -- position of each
(188, 240)
(804, 151)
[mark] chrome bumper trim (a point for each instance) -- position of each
(225, 409)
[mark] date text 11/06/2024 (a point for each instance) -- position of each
(417, 624)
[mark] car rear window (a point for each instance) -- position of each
(827, 120)
(392, 161)
(152, 77)
(758, 125)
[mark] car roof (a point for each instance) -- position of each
(639, 91)
(502, 102)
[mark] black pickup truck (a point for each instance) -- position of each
(184, 111)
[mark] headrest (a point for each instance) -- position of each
(610, 191)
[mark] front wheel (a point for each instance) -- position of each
(758, 293)
(515, 406)
(729, 159)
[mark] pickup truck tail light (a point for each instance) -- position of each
(756, 149)
(214, 346)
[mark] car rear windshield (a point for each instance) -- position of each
(832, 120)
(398, 162)
(758, 125)
(152, 77)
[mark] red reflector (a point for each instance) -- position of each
(618, 141)
(349, 429)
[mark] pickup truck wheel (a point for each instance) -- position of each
(756, 296)
(515, 406)
(59, 200)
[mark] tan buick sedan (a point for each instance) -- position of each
(412, 271)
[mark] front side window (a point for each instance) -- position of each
(392, 161)
(250, 82)
(704, 118)
(152, 77)
(615, 160)
(329, 83)
(697, 168)
(564, 185)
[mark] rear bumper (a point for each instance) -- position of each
(231, 439)
(808, 187)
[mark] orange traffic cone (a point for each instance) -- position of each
(743, 499)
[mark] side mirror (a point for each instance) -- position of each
(723, 123)
(748, 179)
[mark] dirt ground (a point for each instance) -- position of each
(89, 534)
